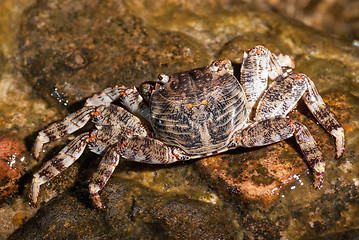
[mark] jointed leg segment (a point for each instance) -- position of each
(277, 101)
(259, 64)
(57, 130)
(283, 95)
(67, 156)
(275, 129)
(135, 148)
(118, 133)
(326, 118)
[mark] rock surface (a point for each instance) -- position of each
(12, 165)
(128, 215)
(85, 47)
(335, 17)
(71, 49)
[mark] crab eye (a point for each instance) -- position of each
(163, 78)
(214, 66)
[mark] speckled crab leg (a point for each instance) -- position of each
(113, 123)
(129, 97)
(135, 148)
(67, 156)
(259, 64)
(275, 129)
(76, 120)
(283, 95)
(326, 118)
(68, 125)
(98, 141)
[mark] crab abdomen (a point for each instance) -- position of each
(198, 111)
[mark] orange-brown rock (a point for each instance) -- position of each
(12, 164)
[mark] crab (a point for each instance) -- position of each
(192, 114)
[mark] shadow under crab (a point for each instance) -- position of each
(193, 114)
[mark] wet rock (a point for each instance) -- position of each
(183, 219)
(339, 18)
(346, 234)
(68, 50)
(259, 175)
(70, 54)
(132, 212)
(13, 213)
(65, 220)
(12, 165)
(254, 176)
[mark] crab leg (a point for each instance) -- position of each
(67, 156)
(259, 64)
(103, 173)
(135, 148)
(113, 124)
(78, 119)
(278, 128)
(106, 96)
(129, 97)
(149, 150)
(326, 118)
(283, 95)
(311, 152)
(68, 125)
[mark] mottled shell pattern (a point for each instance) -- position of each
(199, 110)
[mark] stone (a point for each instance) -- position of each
(12, 165)
(69, 55)
(259, 175)
(68, 50)
(183, 219)
(128, 215)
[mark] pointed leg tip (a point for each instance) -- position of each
(339, 153)
(37, 149)
(100, 208)
(97, 201)
(317, 185)
(33, 204)
(339, 142)
(318, 180)
(41, 139)
(33, 200)
(340, 147)
(34, 191)
(36, 156)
